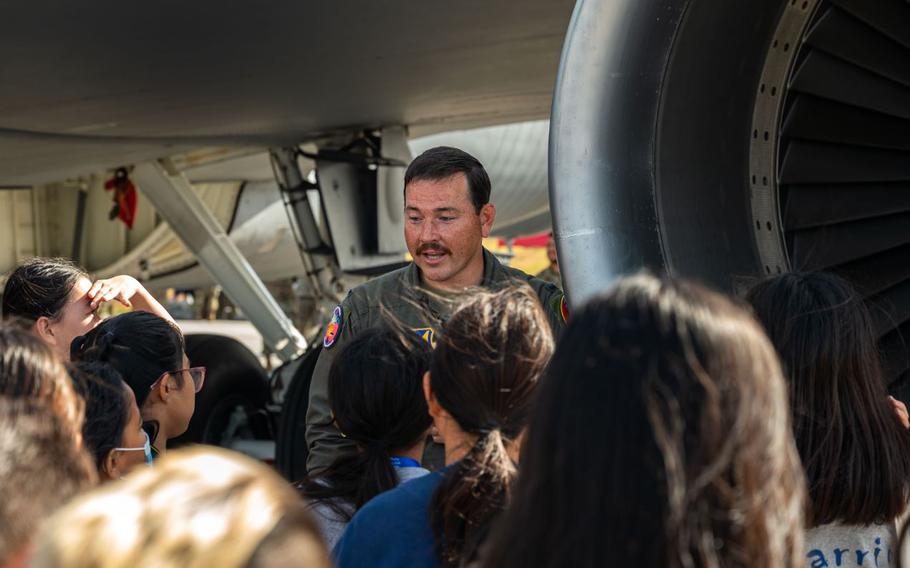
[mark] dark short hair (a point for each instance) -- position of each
(855, 453)
(443, 162)
(40, 287)
(140, 345)
(107, 407)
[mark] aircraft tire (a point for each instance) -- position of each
(290, 445)
(234, 380)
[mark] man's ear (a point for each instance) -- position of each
(109, 466)
(432, 404)
(487, 216)
(45, 330)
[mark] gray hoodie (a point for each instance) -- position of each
(333, 524)
(836, 545)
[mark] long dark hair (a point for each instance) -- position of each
(484, 373)
(140, 345)
(376, 396)
(40, 287)
(107, 407)
(29, 370)
(855, 453)
(660, 439)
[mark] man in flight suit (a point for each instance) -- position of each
(551, 273)
(447, 215)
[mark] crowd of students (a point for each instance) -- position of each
(667, 426)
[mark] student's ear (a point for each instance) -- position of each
(109, 465)
(164, 388)
(432, 404)
(45, 331)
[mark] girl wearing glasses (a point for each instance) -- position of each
(149, 353)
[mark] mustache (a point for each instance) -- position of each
(435, 247)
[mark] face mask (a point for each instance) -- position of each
(147, 448)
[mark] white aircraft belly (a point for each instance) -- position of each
(94, 85)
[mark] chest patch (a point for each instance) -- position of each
(333, 330)
(428, 334)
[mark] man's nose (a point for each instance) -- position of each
(428, 232)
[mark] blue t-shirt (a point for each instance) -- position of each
(393, 529)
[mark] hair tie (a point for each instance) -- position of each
(96, 350)
(375, 445)
(105, 341)
(489, 427)
(77, 347)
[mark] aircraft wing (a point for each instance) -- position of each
(93, 85)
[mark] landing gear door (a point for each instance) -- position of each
(390, 206)
(364, 205)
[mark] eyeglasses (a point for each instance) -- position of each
(196, 373)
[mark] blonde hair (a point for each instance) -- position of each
(41, 468)
(197, 507)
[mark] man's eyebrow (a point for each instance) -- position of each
(437, 210)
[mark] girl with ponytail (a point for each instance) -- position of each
(479, 390)
(376, 397)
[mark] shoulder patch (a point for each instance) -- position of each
(428, 334)
(334, 328)
(559, 307)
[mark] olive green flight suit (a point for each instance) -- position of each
(398, 294)
(550, 275)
